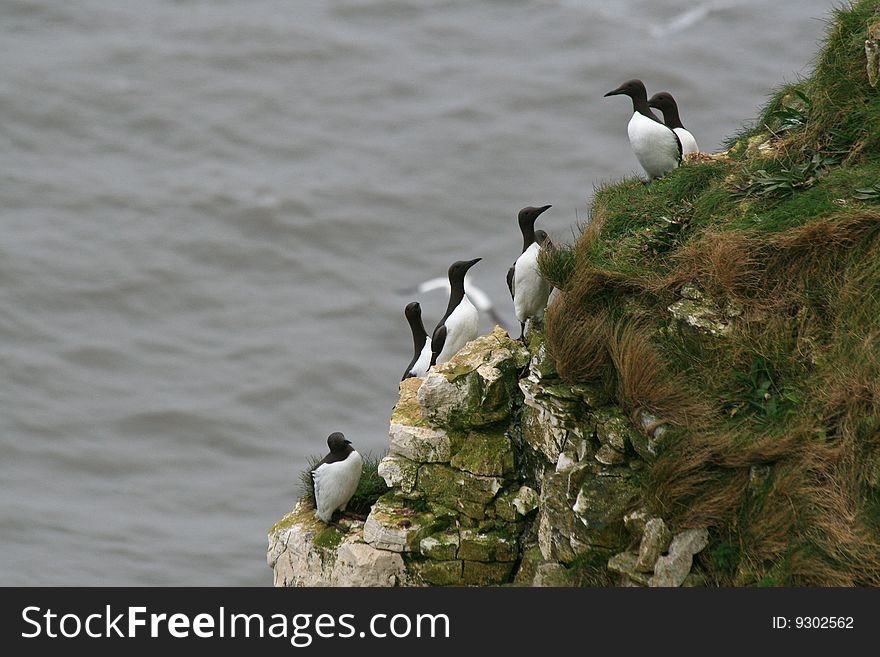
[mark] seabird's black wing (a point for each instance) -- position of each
(510, 279)
(678, 141)
(437, 342)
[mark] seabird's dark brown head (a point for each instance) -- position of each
(664, 102)
(458, 269)
(529, 215)
(413, 311)
(635, 89)
(338, 444)
(527, 218)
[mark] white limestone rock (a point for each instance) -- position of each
(673, 568)
(393, 527)
(419, 444)
(297, 560)
(399, 472)
(655, 541)
(526, 500)
(358, 564)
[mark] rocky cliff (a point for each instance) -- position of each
(499, 473)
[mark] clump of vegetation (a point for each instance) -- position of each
(370, 487)
(782, 233)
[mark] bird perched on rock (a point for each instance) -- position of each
(528, 289)
(664, 102)
(461, 322)
(656, 146)
(421, 359)
(336, 477)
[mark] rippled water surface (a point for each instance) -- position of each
(213, 213)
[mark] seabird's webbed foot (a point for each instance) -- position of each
(338, 527)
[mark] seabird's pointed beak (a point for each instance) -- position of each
(473, 262)
(544, 209)
(616, 92)
(348, 442)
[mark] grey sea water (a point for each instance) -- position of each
(212, 212)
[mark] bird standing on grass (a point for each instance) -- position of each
(664, 102)
(336, 477)
(656, 146)
(461, 322)
(530, 288)
(421, 359)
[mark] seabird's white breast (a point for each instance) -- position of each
(530, 290)
(688, 143)
(420, 367)
(462, 326)
(654, 145)
(335, 483)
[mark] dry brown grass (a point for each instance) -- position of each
(644, 382)
(726, 263)
(766, 272)
(702, 480)
(577, 340)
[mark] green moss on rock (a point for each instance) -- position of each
(614, 429)
(515, 503)
(528, 566)
(593, 395)
(458, 490)
(442, 546)
(484, 453)
(493, 546)
(476, 388)
(393, 525)
(328, 538)
(477, 573)
(303, 514)
(601, 504)
(440, 573)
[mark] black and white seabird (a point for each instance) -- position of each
(657, 147)
(461, 323)
(336, 477)
(421, 359)
(482, 302)
(530, 290)
(664, 102)
(528, 285)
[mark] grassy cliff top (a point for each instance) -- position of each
(775, 245)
